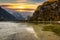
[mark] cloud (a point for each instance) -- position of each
(2, 1)
(18, 1)
(12, 1)
(21, 0)
(35, 1)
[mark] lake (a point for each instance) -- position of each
(25, 31)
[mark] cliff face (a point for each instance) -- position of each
(48, 11)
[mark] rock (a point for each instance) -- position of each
(48, 11)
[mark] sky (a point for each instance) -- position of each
(21, 5)
(18, 1)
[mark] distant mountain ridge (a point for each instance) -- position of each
(9, 16)
(16, 13)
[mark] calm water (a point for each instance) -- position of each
(25, 31)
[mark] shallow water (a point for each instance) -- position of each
(25, 31)
(16, 31)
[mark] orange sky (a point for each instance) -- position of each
(21, 6)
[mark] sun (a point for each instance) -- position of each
(21, 7)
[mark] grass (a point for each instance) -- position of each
(54, 28)
(42, 30)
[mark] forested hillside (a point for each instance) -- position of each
(48, 11)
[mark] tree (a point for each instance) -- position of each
(48, 11)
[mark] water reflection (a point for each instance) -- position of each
(16, 31)
(25, 31)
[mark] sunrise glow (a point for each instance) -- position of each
(22, 7)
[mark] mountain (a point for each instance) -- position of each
(26, 14)
(8, 15)
(17, 14)
(48, 11)
(5, 16)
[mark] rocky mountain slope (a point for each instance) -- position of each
(8, 15)
(48, 11)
